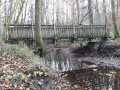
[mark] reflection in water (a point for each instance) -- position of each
(61, 59)
(98, 78)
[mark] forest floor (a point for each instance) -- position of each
(20, 69)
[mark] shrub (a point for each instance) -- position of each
(21, 43)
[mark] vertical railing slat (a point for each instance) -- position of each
(7, 31)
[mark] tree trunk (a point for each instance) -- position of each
(77, 2)
(11, 17)
(38, 35)
(97, 14)
(42, 10)
(90, 12)
(21, 11)
(0, 21)
(104, 11)
(90, 17)
(116, 30)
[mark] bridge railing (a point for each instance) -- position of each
(55, 31)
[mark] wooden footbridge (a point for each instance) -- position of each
(55, 32)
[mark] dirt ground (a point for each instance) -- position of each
(107, 52)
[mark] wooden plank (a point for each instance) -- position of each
(33, 33)
(7, 31)
(55, 36)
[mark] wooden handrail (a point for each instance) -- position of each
(49, 25)
(55, 31)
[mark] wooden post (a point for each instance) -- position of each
(55, 36)
(32, 31)
(106, 32)
(91, 36)
(7, 31)
(73, 38)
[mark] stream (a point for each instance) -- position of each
(76, 74)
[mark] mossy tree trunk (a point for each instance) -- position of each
(38, 35)
(116, 30)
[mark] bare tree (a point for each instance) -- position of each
(97, 14)
(13, 11)
(38, 35)
(116, 30)
(90, 17)
(77, 2)
(104, 10)
(90, 12)
(0, 21)
(21, 11)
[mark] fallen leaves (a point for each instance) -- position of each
(18, 68)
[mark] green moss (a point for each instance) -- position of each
(42, 46)
(116, 31)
